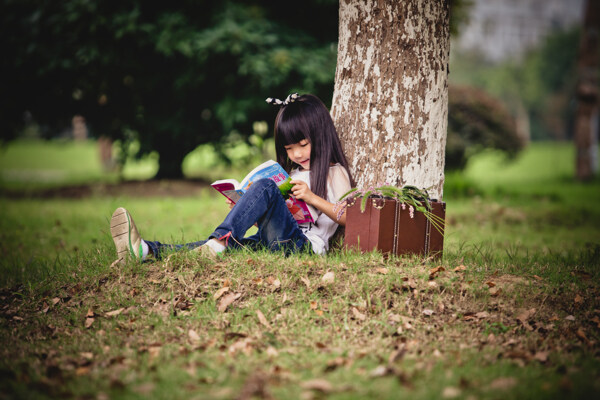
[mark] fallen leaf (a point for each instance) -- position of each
(494, 291)
(570, 318)
(581, 335)
(272, 351)
(503, 383)
(313, 305)
(55, 301)
(115, 312)
(490, 284)
(408, 283)
(451, 392)
(357, 314)
(89, 322)
(578, 299)
(90, 313)
(305, 281)
(427, 312)
(379, 371)
(276, 283)
(541, 356)
(320, 385)
(435, 271)
(154, 351)
(524, 317)
(460, 268)
(482, 314)
(220, 292)
(262, 319)
(257, 281)
(319, 312)
(193, 335)
(381, 270)
(227, 300)
(328, 278)
(80, 371)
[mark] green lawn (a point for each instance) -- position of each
(510, 311)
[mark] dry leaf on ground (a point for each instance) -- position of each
(460, 268)
(358, 315)
(305, 281)
(435, 271)
(320, 385)
(220, 292)
(328, 278)
(503, 383)
(227, 300)
(193, 335)
(262, 319)
(114, 313)
(451, 392)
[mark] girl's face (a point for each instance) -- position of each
(299, 153)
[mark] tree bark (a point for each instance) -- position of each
(586, 117)
(390, 102)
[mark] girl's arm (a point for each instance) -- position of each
(302, 191)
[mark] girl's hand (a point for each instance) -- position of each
(301, 191)
(230, 203)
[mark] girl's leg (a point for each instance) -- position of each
(264, 205)
(261, 204)
(157, 248)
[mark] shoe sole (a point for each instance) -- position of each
(120, 229)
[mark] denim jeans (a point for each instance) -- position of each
(263, 205)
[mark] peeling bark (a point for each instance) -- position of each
(390, 102)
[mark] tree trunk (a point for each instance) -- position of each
(390, 102)
(170, 157)
(586, 117)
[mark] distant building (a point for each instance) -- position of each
(506, 29)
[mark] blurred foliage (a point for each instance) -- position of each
(167, 75)
(459, 14)
(542, 83)
(476, 121)
(173, 75)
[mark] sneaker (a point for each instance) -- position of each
(207, 251)
(125, 235)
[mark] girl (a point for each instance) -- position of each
(308, 147)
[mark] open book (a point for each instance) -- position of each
(234, 190)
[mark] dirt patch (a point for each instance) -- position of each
(150, 188)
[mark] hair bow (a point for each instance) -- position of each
(290, 99)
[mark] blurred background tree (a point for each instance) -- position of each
(172, 75)
(169, 77)
(477, 121)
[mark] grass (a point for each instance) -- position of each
(512, 312)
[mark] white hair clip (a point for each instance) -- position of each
(290, 99)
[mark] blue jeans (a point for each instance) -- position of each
(263, 205)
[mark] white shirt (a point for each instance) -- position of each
(319, 232)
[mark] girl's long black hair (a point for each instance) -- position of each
(308, 118)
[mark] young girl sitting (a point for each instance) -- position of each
(308, 147)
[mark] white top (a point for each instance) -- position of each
(323, 228)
